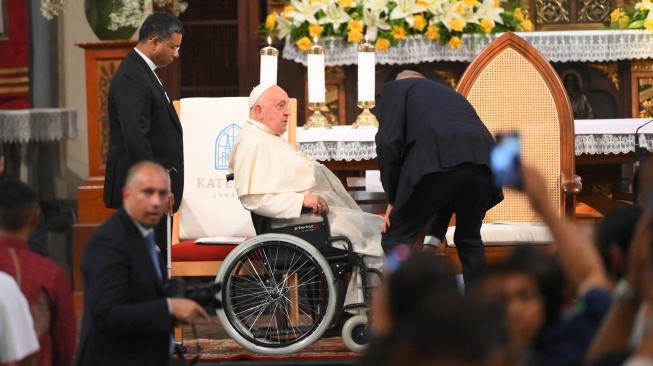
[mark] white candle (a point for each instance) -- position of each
(366, 79)
(269, 57)
(316, 92)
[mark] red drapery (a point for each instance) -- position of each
(14, 58)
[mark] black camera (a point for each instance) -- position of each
(206, 295)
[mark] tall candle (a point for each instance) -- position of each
(316, 92)
(269, 57)
(366, 79)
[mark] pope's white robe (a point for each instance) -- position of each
(271, 179)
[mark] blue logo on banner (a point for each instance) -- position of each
(223, 145)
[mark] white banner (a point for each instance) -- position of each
(210, 206)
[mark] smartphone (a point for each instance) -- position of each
(505, 161)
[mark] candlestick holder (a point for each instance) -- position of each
(366, 118)
(317, 119)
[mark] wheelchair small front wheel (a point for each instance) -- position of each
(355, 333)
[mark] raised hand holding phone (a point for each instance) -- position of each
(505, 161)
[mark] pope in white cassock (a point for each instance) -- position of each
(274, 179)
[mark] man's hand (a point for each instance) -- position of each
(386, 219)
(186, 311)
(2, 164)
(316, 203)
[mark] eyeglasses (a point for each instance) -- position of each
(173, 48)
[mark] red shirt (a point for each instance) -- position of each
(50, 297)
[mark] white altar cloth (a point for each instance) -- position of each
(595, 136)
(38, 124)
(556, 46)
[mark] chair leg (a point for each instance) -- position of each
(179, 334)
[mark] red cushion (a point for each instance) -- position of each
(188, 251)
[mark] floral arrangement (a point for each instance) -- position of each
(387, 22)
(638, 16)
(131, 14)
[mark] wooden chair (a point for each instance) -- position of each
(514, 88)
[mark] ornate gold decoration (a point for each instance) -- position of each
(604, 189)
(551, 11)
(610, 69)
(447, 76)
(334, 72)
(593, 11)
(106, 70)
(646, 108)
(317, 119)
(366, 118)
(641, 65)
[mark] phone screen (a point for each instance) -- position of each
(505, 161)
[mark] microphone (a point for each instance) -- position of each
(639, 153)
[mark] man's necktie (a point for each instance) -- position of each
(151, 246)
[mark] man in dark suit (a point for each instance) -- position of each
(434, 158)
(143, 123)
(128, 320)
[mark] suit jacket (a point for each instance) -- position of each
(143, 125)
(126, 318)
(426, 127)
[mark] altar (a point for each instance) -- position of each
(604, 150)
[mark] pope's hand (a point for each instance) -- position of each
(316, 203)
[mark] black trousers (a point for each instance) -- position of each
(465, 190)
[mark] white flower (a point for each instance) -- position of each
(435, 6)
(644, 5)
(335, 15)
(304, 12)
(377, 5)
(373, 21)
(405, 10)
(488, 11)
(284, 26)
(132, 13)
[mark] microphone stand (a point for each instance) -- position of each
(639, 154)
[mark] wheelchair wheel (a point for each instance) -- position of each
(355, 333)
(278, 294)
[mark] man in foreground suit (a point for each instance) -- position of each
(434, 158)
(143, 124)
(128, 320)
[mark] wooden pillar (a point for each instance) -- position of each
(102, 60)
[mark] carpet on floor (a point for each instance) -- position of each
(229, 350)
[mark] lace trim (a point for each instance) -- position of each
(338, 150)
(611, 144)
(38, 125)
(556, 46)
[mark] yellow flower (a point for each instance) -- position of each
(457, 24)
(459, 8)
(354, 36)
(455, 42)
(648, 24)
(486, 25)
(422, 3)
(471, 3)
(355, 25)
(623, 22)
(433, 32)
(518, 14)
(496, 3)
(304, 43)
(525, 26)
(398, 32)
(271, 21)
(286, 10)
(316, 1)
(315, 30)
(419, 22)
(382, 44)
(346, 3)
(616, 14)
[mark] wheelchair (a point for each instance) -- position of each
(284, 288)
